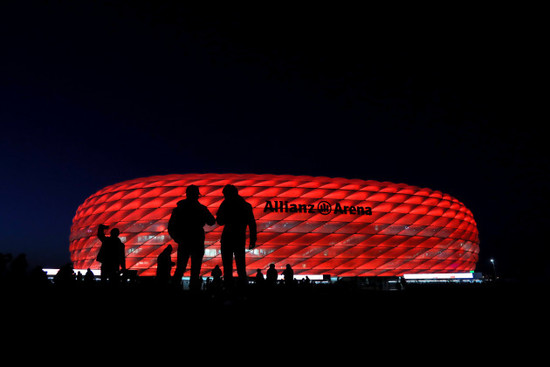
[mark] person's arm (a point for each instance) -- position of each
(101, 232)
(220, 215)
(173, 230)
(252, 228)
(210, 220)
(122, 256)
(101, 236)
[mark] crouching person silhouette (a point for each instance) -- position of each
(164, 266)
(111, 255)
(235, 214)
(186, 228)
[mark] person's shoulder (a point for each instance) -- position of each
(180, 205)
(244, 202)
(185, 205)
(204, 208)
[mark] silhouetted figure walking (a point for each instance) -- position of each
(235, 214)
(186, 228)
(111, 254)
(164, 265)
(271, 275)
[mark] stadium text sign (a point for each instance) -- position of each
(322, 207)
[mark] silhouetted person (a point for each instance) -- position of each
(271, 275)
(235, 214)
(288, 275)
(164, 265)
(260, 280)
(216, 277)
(216, 273)
(65, 277)
(89, 277)
(186, 228)
(111, 254)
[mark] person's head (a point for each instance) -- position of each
(115, 232)
(230, 191)
(192, 192)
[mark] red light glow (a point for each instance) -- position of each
(409, 230)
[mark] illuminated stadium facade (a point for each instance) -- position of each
(318, 225)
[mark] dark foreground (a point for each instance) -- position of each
(320, 318)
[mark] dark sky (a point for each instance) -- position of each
(93, 93)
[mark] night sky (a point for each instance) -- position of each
(93, 93)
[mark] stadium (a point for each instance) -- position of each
(318, 225)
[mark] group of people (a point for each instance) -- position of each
(270, 279)
(186, 227)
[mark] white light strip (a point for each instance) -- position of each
(97, 272)
(52, 272)
(439, 276)
(303, 276)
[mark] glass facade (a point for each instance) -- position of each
(318, 225)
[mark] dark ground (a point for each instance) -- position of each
(449, 319)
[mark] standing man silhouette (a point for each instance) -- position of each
(111, 254)
(186, 228)
(235, 214)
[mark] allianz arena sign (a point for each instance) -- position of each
(323, 207)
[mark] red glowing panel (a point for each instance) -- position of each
(318, 225)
